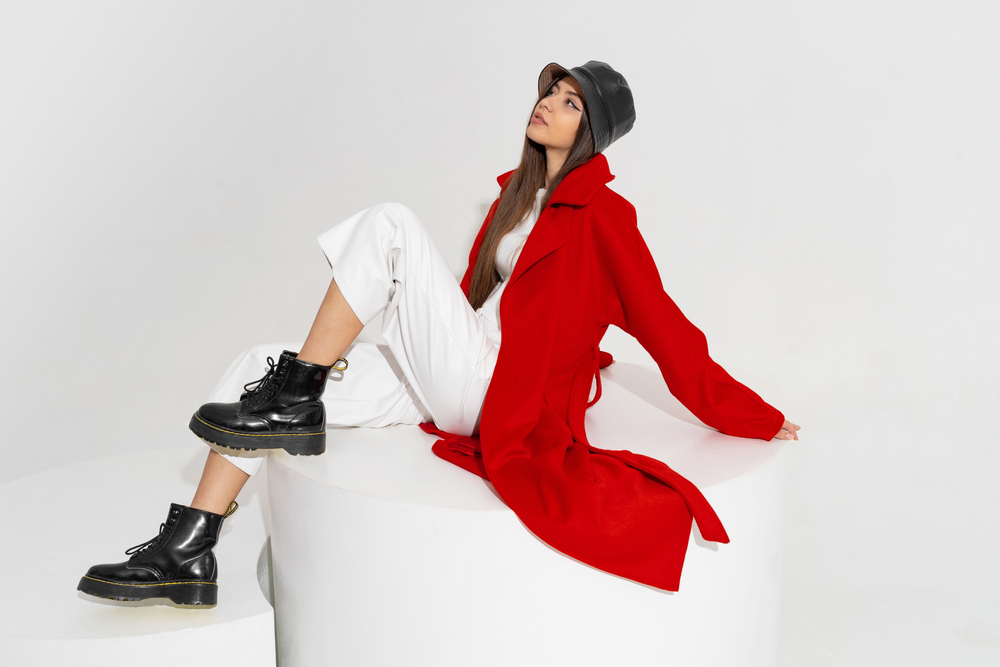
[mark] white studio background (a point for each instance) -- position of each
(819, 183)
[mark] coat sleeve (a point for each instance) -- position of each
(636, 302)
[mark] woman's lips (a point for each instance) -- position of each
(538, 120)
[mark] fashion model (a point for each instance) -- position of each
(558, 260)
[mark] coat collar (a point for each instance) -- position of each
(580, 185)
(551, 231)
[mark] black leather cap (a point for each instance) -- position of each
(609, 99)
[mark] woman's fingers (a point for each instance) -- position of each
(789, 431)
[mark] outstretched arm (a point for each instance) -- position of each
(639, 305)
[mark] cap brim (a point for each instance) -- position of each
(550, 73)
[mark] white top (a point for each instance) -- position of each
(507, 253)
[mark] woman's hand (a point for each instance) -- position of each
(789, 431)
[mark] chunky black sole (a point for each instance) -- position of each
(298, 444)
(195, 593)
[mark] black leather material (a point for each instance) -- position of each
(283, 410)
(181, 554)
(610, 106)
(287, 400)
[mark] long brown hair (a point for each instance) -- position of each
(517, 197)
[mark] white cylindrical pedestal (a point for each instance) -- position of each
(383, 554)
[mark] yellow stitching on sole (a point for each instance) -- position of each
(165, 583)
(257, 435)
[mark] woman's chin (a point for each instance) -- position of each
(536, 135)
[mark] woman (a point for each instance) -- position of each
(564, 253)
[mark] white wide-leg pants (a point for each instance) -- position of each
(439, 356)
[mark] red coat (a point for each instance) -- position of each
(584, 267)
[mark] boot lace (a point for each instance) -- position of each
(160, 537)
(145, 546)
(262, 389)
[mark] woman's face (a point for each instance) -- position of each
(557, 116)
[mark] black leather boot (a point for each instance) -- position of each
(283, 410)
(178, 564)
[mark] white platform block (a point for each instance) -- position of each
(383, 554)
(58, 523)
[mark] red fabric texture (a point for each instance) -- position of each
(583, 268)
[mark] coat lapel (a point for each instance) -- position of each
(553, 225)
(548, 235)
